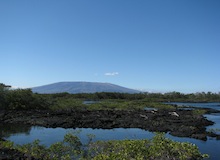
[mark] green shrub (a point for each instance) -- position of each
(71, 148)
(157, 148)
(199, 111)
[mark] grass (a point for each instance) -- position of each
(199, 111)
(66, 103)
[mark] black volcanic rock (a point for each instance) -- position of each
(185, 125)
(82, 87)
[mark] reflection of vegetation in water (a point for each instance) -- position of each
(71, 148)
(6, 130)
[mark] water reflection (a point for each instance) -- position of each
(21, 134)
(48, 136)
(215, 117)
(211, 146)
(90, 102)
(6, 130)
(214, 105)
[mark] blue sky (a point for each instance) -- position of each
(156, 45)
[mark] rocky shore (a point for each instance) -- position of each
(182, 123)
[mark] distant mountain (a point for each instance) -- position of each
(82, 87)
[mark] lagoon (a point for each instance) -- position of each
(21, 134)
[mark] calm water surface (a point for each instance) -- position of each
(21, 134)
(200, 105)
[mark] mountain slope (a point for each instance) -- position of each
(81, 87)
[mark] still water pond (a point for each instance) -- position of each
(214, 105)
(21, 134)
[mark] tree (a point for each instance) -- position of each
(4, 90)
(24, 99)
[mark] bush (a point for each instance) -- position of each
(157, 148)
(71, 148)
(21, 99)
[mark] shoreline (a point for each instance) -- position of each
(181, 123)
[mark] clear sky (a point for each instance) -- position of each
(156, 45)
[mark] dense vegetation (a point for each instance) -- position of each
(20, 99)
(154, 97)
(72, 148)
(26, 99)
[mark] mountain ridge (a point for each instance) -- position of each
(81, 87)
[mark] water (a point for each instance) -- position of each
(21, 134)
(48, 136)
(215, 117)
(211, 146)
(150, 109)
(215, 105)
(90, 102)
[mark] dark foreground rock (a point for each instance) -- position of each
(12, 154)
(182, 123)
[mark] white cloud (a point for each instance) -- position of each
(111, 74)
